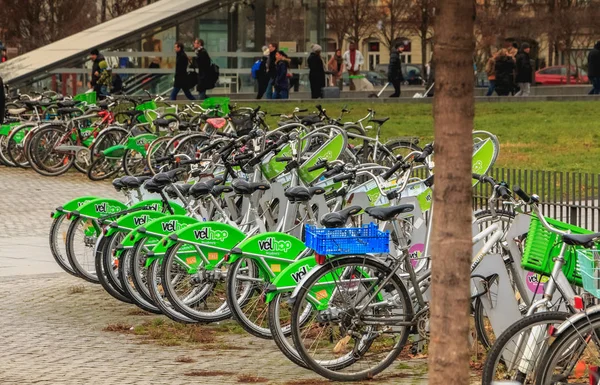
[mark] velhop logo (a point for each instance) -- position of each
(171, 226)
(104, 208)
(141, 220)
(271, 244)
(209, 234)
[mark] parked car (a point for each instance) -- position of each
(411, 72)
(557, 75)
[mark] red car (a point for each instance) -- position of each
(557, 75)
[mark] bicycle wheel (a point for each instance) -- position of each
(15, 147)
(246, 291)
(106, 261)
(107, 138)
(280, 323)
(570, 358)
(199, 296)
(386, 155)
(157, 149)
(355, 320)
(139, 272)
(515, 354)
(134, 163)
(81, 240)
(103, 168)
(46, 157)
(126, 279)
(157, 292)
(58, 248)
(4, 152)
(103, 274)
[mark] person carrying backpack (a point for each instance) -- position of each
(259, 73)
(205, 71)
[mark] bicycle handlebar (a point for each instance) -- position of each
(386, 175)
(427, 150)
(522, 194)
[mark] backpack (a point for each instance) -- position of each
(255, 69)
(213, 76)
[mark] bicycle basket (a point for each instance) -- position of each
(222, 102)
(542, 246)
(242, 124)
(352, 240)
(88, 97)
(150, 105)
(589, 261)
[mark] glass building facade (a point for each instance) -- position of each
(234, 33)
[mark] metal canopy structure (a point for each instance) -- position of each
(106, 35)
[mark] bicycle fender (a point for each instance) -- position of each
(290, 277)
(157, 205)
(575, 319)
(277, 249)
(314, 271)
(99, 208)
(128, 222)
(72, 205)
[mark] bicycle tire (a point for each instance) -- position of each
(126, 284)
(129, 163)
(14, 154)
(288, 349)
(203, 294)
(494, 356)
(54, 237)
(103, 276)
(104, 257)
(3, 152)
(35, 160)
(73, 258)
(157, 149)
(140, 284)
(376, 269)
(159, 299)
(97, 170)
(235, 304)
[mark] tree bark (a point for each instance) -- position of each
(451, 237)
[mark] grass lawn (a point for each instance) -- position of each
(553, 136)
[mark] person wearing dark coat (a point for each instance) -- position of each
(395, 70)
(96, 70)
(316, 73)
(524, 76)
(504, 68)
(594, 69)
(272, 69)
(262, 78)
(116, 85)
(181, 76)
(203, 65)
(281, 84)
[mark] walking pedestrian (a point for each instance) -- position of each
(295, 63)
(2, 101)
(155, 64)
(181, 78)
(116, 87)
(395, 69)
(504, 69)
(96, 59)
(262, 77)
(271, 69)
(281, 84)
(490, 69)
(524, 70)
(336, 65)
(203, 65)
(316, 74)
(353, 60)
(594, 69)
(4, 56)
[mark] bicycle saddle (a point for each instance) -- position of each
(217, 123)
(161, 122)
(586, 240)
(31, 103)
(153, 187)
(339, 218)
(134, 182)
(310, 120)
(380, 121)
(165, 178)
(303, 194)
(388, 213)
(184, 189)
(67, 110)
(118, 184)
(218, 190)
(184, 125)
(242, 187)
(66, 103)
(204, 188)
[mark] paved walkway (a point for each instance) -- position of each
(51, 324)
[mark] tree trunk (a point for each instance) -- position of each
(453, 111)
(103, 11)
(424, 53)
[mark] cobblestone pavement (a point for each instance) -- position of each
(51, 325)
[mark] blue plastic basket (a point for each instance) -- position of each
(589, 268)
(352, 240)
